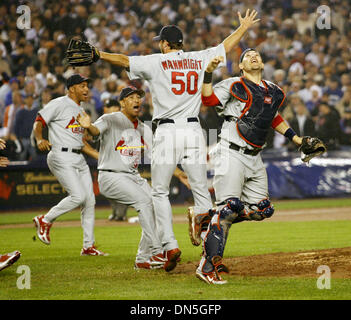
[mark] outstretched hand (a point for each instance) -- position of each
(249, 19)
(84, 120)
(214, 64)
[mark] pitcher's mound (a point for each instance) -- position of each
(286, 264)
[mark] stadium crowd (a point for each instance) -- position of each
(310, 60)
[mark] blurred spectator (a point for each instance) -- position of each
(301, 58)
(346, 127)
(4, 90)
(328, 126)
(279, 77)
(45, 98)
(4, 63)
(112, 105)
(7, 130)
(23, 126)
(345, 81)
(14, 86)
(304, 20)
(301, 122)
(334, 91)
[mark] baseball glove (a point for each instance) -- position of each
(81, 53)
(311, 147)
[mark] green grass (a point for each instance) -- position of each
(59, 272)
(26, 217)
(312, 203)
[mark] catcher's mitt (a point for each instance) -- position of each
(81, 53)
(311, 147)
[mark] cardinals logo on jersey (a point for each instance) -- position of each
(126, 148)
(75, 126)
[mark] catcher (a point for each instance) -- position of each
(250, 107)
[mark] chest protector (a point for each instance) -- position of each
(261, 105)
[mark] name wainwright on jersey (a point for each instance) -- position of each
(182, 64)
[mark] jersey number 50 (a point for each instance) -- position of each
(188, 82)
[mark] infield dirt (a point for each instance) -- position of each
(280, 264)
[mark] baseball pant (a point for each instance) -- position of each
(73, 173)
(132, 189)
(238, 175)
(182, 143)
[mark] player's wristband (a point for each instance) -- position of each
(208, 77)
(290, 133)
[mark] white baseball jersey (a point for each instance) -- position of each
(70, 168)
(230, 107)
(60, 116)
(174, 80)
(122, 142)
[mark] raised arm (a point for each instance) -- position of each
(245, 23)
(207, 89)
(85, 122)
(119, 60)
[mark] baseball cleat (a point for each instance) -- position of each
(196, 222)
(9, 259)
(172, 257)
(211, 277)
(158, 260)
(147, 265)
(92, 251)
(43, 229)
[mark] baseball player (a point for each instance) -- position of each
(123, 138)
(250, 107)
(66, 162)
(174, 79)
(119, 210)
(7, 259)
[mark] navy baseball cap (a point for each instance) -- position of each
(244, 52)
(129, 90)
(75, 79)
(170, 33)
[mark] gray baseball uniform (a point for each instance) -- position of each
(236, 174)
(240, 180)
(121, 146)
(174, 80)
(68, 165)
